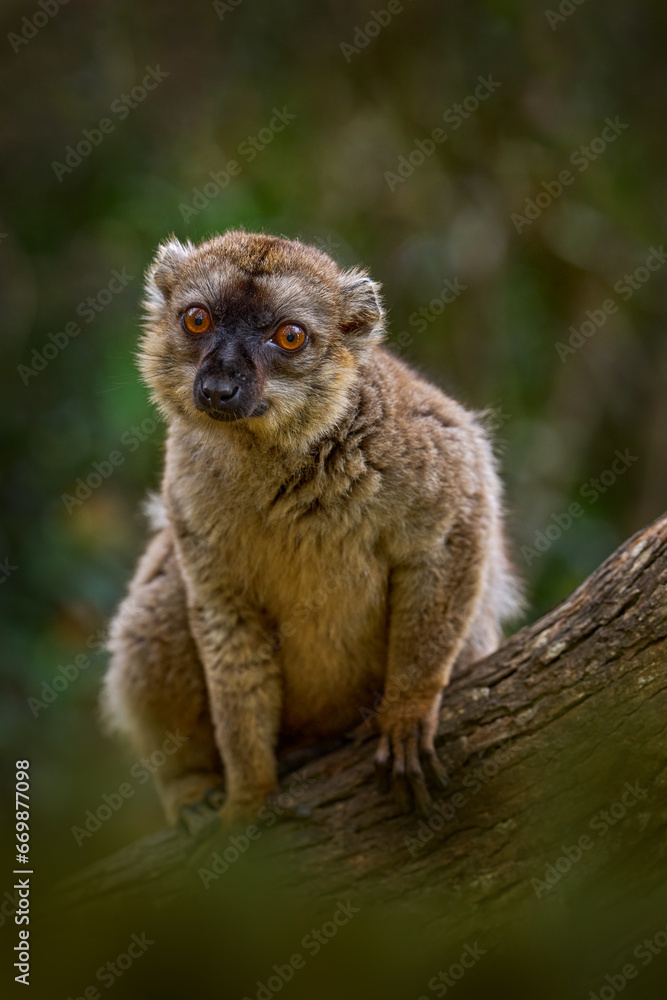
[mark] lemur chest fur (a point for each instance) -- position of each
(304, 550)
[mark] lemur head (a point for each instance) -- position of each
(257, 331)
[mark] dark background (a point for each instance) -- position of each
(559, 422)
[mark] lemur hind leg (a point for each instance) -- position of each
(155, 691)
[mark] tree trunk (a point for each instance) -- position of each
(556, 747)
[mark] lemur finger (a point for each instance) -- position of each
(436, 772)
(400, 778)
(383, 765)
(416, 777)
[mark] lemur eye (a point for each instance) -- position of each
(290, 336)
(197, 319)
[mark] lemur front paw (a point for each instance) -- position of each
(406, 757)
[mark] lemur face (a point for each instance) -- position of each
(252, 328)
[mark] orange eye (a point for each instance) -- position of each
(290, 337)
(196, 319)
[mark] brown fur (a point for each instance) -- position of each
(347, 539)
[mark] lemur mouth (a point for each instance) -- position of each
(225, 418)
(233, 416)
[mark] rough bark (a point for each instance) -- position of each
(542, 740)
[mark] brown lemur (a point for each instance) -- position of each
(301, 453)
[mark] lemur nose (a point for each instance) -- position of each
(218, 393)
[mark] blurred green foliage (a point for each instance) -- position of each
(322, 178)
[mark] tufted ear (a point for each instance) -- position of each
(362, 310)
(163, 273)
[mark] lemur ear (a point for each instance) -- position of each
(164, 271)
(362, 311)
